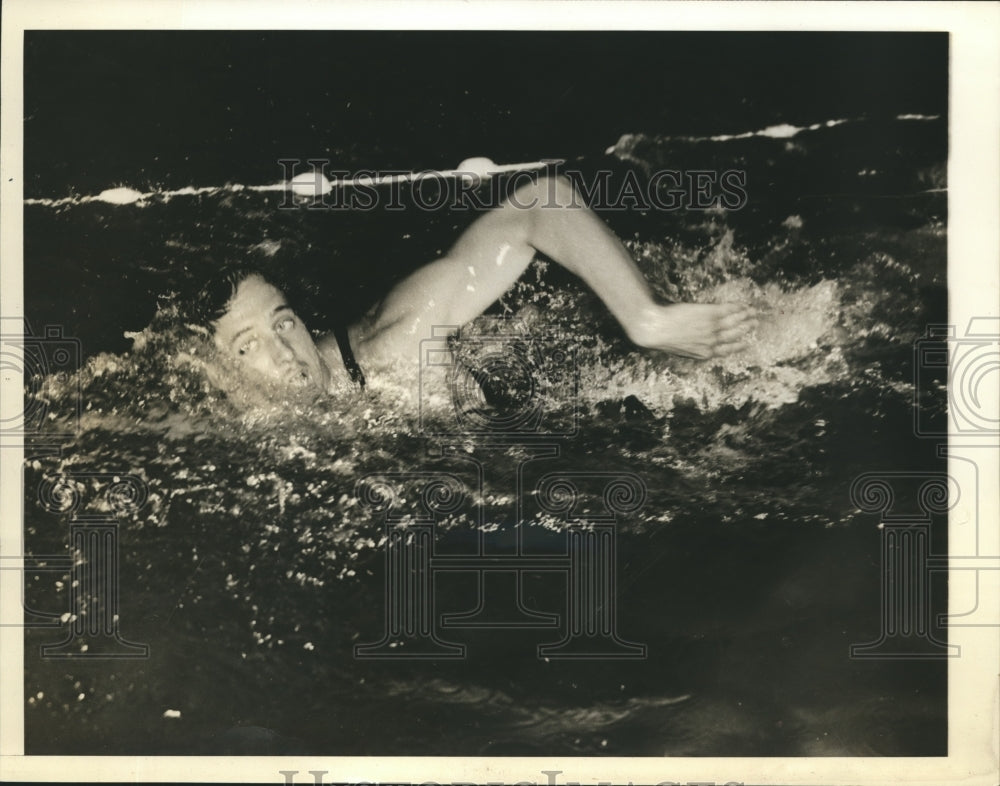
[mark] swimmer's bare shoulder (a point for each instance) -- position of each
(385, 339)
(376, 344)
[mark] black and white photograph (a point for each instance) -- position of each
(601, 400)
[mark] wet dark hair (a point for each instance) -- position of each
(202, 299)
(212, 301)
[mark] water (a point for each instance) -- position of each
(252, 571)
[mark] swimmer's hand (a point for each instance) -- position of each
(694, 330)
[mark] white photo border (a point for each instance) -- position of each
(973, 254)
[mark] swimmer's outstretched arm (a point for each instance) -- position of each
(547, 216)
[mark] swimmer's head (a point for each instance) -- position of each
(263, 348)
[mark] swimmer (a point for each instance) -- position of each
(260, 337)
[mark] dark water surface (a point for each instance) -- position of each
(251, 571)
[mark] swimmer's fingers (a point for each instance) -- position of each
(730, 348)
(735, 314)
(732, 334)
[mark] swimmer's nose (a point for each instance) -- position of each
(282, 350)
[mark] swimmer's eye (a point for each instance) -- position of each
(284, 324)
(248, 347)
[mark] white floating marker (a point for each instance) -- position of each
(119, 196)
(310, 184)
(476, 169)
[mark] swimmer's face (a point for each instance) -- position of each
(267, 342)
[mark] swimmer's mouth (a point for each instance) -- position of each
(299, 378)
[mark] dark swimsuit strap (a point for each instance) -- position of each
(350, 362)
